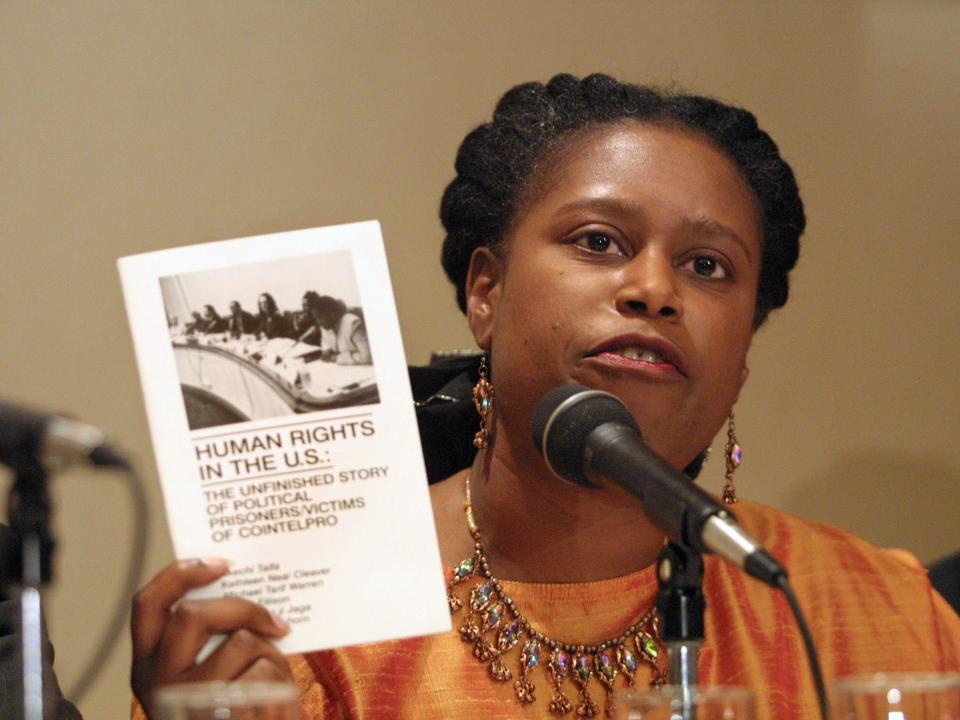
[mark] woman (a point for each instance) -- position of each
(632, 241)
(271, 323)
(338, 329)
(213, 322)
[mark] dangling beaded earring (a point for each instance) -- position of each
(734, 455)
(483, 402)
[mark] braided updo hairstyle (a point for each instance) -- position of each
(498, 166)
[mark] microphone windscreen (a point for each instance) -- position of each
(564, 420)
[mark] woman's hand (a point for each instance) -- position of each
(168, 632)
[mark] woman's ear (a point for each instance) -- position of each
(484, 281)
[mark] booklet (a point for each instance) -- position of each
(284, 430)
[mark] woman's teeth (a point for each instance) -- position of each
(648, 356)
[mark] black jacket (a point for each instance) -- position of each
(945, 576)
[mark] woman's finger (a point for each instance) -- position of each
(239, 653)
(192, 622)
(266, 669)
(151, 605)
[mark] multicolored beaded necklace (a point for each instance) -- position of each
(494, 627)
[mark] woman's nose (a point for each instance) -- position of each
(649, 286)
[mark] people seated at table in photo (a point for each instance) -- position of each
(271, 323)
(240, 321)
(342, 330)
(212, 321)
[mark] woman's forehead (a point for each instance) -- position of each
(633, 164)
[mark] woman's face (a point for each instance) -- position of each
(264, 304)
(633, 270)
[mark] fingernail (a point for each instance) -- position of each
(215, 563)
(280, 622)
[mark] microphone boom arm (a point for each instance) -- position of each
(682, 509)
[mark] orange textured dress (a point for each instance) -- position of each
(869, 610)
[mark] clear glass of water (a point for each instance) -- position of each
(700, 703)
(917, 696)
(238, 700)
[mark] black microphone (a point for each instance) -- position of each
(51, 440)
(588, 435)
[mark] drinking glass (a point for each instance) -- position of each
(238, 700)
(919, 696)
(704, 703)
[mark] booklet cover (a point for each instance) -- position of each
(284, 429)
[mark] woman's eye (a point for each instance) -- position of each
(708, 267)
(598, 242)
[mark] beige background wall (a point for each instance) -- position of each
(127, 127)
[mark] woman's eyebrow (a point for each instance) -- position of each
(708, 226)
(619, 206)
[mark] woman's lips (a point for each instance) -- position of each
(645, 362)
(645, 354)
